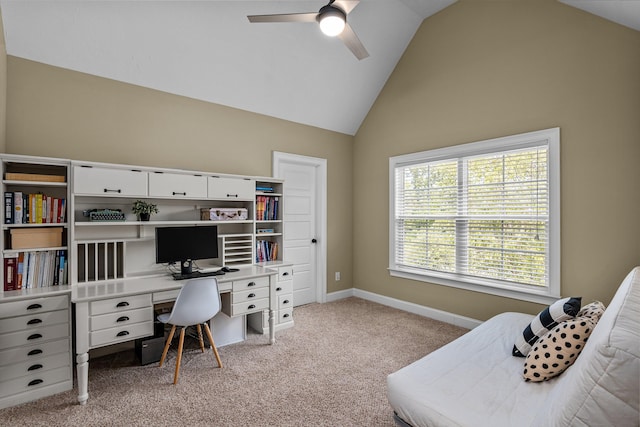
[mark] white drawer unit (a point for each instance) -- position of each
(109, 182)
(282, 294)
(247, 296)
(117, 320)
(179, 186)
(35, 348)
(225, 188)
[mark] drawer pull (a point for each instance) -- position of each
(109, 190)
(34, 337)
(285, 301)
(278, 289)
(285, 315)
(34, 352)
(122, 304)
(251, 295)
(232, 195)
(35, 382)
(252, 306)
(250, 284)
(34, 367)
(177, 193)
(122, 319)
(34, 321)
(123, 334)
(34, 306)
(286, 273)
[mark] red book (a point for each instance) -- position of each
(10, 273)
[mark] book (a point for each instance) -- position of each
(20, 270)
(8, 207)
(17, 207)
(10, 273)
(62, 268)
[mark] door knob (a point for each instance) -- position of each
(314, 241)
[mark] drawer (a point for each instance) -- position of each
(285, 301)
(242, 285)
(125, 318)
(34, 336)
(284, 287)
(177, 185)
(30, 367)
(115, 305)
(249, 307)
(35, 381)
(120, 334)
(33, 305)
(34, 352)
(109, 182)
(165, 296)
(34, 321)
(250, 295)
(285, 273)
(285, 315)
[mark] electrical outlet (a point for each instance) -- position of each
(337, 276)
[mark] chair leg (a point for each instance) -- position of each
(179, 359)
(167, 345)
(200, 337)
(213, 345)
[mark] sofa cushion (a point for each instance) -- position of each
(559, 311)
(602, 387)
(558, 349)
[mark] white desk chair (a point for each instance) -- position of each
(197, 302)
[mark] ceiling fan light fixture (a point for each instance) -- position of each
(332, 20)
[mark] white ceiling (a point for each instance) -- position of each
(208, 50)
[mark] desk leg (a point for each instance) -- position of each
(272, 329)
(82, 360)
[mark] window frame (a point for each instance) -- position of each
(541, 295)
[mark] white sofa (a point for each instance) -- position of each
(475, 381)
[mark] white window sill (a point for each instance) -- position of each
(539, 296)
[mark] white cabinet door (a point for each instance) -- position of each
(176, 185)
(105, 182)
(231, 188)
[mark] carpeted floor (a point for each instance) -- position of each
(328, 370)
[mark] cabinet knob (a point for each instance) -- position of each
(122, 319)
(285, 315)
(34, 352)
(285, 301)
(122, 333)
(35, 382)
(34, 307)
(251, 295)
(178, 193)
(34, 367)
(278, 289)
(34, 336)
(252, 306)
(112, 190)
(286, 273)
(122, 304)
(34, 321)
(232, 195)
(251, 284)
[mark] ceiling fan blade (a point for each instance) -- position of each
(284, 17)
(353, 42)
(346, 5)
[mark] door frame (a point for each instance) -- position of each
(320, 211)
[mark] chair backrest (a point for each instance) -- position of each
(197, 302)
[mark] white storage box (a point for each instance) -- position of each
(224, 214)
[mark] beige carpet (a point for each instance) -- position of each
(328, 370)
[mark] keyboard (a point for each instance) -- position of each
(197, 274)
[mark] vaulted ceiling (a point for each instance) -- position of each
(209, 51)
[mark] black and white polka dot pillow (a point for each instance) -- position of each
(594, 309)
(558, 349)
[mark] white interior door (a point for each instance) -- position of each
(303, 240)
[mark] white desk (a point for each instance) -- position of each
(116, 311)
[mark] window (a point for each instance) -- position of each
(483, 216)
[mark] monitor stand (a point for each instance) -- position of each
(186, 267)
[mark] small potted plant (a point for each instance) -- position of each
(144, 209)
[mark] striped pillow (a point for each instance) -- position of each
(547, 319)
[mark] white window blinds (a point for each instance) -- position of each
(479, 213)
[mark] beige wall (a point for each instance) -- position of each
(60, 113)
(484, 69)
(3, 88)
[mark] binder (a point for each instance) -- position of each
(8, 207)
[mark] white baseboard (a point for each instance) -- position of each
(421, 310)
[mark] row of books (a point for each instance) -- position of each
(266, 250)
(266, 208)
(37, 208)
(35, 269)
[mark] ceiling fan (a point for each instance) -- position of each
(332, 18)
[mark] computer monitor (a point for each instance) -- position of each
(185, 244)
